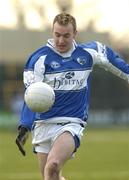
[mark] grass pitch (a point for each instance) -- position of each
(103, 155)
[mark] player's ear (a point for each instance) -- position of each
(75, 33)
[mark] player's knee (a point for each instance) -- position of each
(52, 168)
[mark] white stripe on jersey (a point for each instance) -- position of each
(70, 80)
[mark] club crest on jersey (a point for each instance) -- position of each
(55, 64)
(81, 60)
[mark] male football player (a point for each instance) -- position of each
(66, 66)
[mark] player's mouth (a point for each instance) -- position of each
(61, 47)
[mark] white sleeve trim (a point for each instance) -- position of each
(100, 59)
(39, 69)
(36, 75)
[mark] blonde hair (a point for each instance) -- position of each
(65, 19)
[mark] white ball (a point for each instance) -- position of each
(39, 97)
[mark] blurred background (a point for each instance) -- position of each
(26, 25)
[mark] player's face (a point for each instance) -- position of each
(63, 37)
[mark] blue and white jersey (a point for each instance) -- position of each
(69, 75)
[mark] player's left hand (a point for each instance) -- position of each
(21, 139)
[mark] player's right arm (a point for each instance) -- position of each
(33, 72)
(25, 125)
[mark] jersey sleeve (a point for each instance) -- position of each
(111, 61)
(27, 117)
(33, 72)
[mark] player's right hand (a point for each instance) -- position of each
(21, 139)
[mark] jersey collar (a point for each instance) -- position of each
(50, 43)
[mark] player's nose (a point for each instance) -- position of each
(61, 40)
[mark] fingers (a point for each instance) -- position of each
(20, 146)
(21, 139)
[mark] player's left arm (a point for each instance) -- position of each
(112, 61)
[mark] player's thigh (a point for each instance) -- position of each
(62, 149)
(42, 158)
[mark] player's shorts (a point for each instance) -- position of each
(44, 134)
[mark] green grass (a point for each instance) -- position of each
(103, 155)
